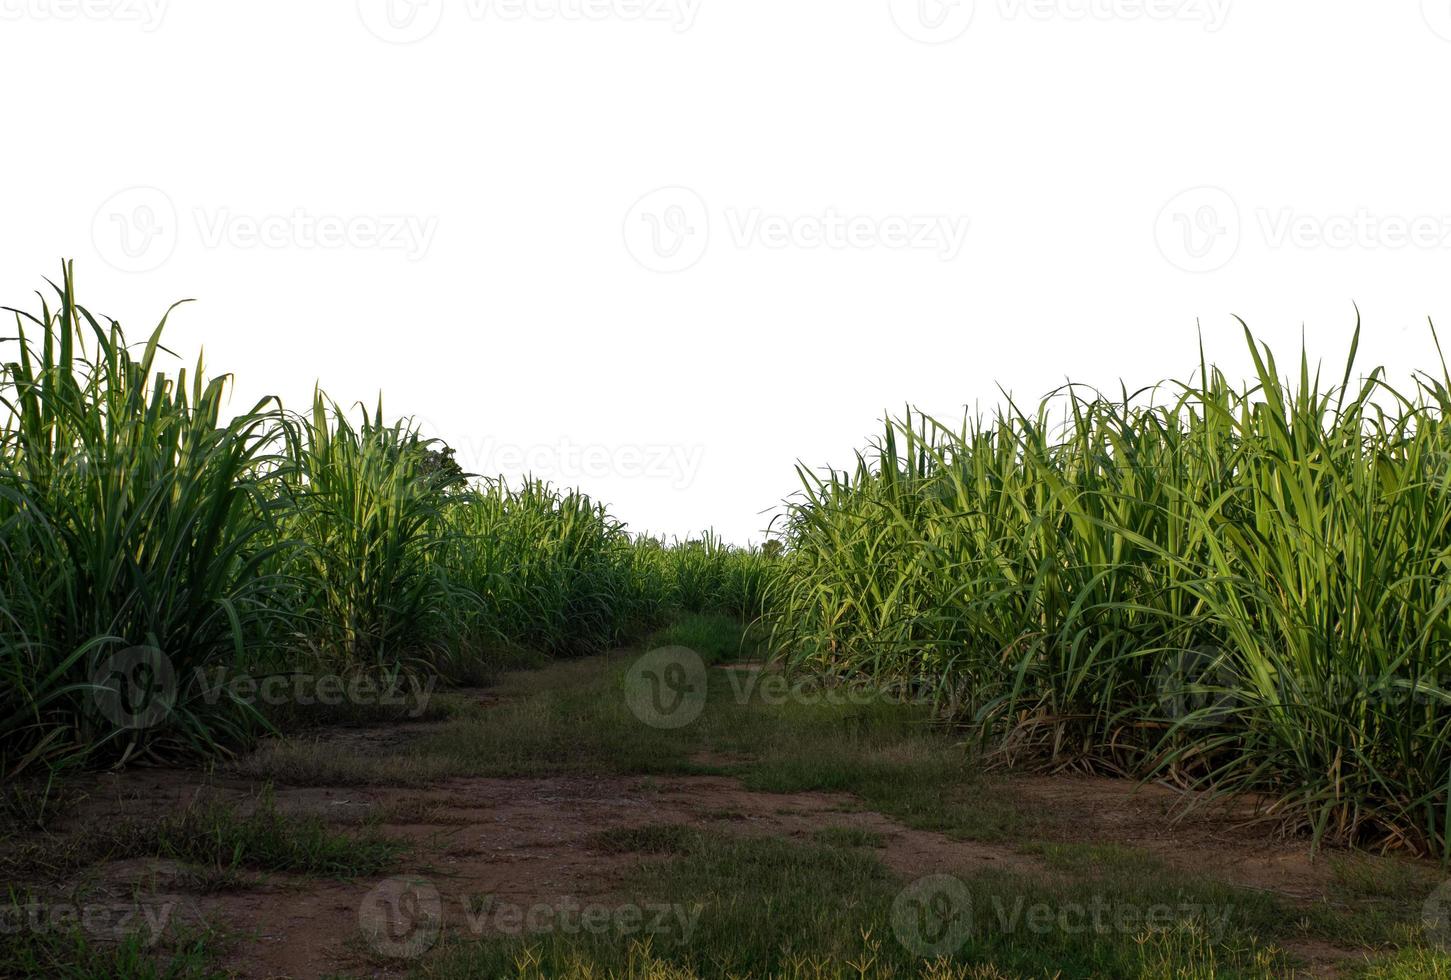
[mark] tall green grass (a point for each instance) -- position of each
(1238, 588)
(547, 569)
(706, 574)
(550, 569)
(367, 513)
(132, 513)
(149, 537)
(1233, 588)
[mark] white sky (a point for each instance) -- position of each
(474, 222)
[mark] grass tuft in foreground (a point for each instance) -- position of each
(72, 954)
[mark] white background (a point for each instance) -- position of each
(522, 313)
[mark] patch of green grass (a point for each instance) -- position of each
(1187, 952)
(219, 839)
(649, 839)
(766, 907)
(571, 719)
(414, 810)
(485, 667)
(399, 700)
(52, 857)
(848, 837)
(1362, 913)
(309, 762)
(216, 879)
(35, 803)
(724, 813)
(1384, 877)
(574, 718)
(641, 963)
(1374, 902)
(1409, 964)
(717, 638)
(890, 755)
(72, 954)
(267, 839)
(1096, 860)
(1141, 880)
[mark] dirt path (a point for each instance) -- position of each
(526, 841)
(529, 841)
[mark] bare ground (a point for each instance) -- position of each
(526, 840)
